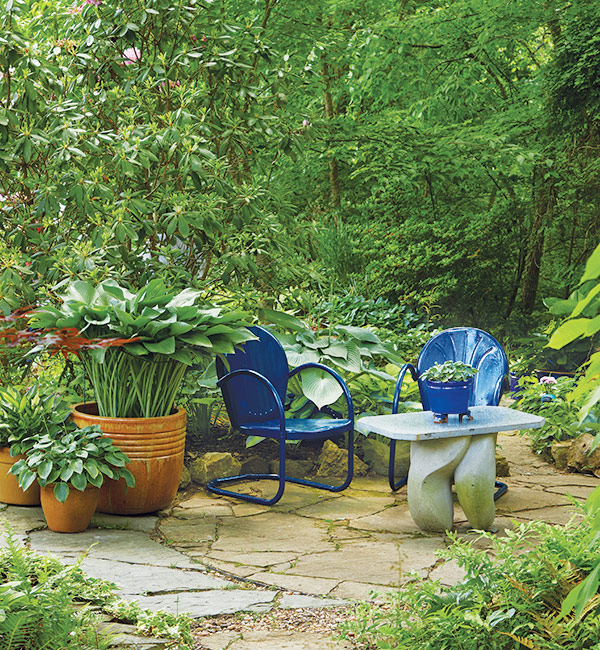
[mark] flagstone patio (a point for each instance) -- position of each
(210, 555)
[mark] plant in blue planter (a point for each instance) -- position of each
(449, 387)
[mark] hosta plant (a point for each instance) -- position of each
(353, 351)
(136, 347)
(449, 371)
(28, 413)
(75, 459)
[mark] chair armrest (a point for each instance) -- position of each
(413, 372)
(336, 376)
(246, 372)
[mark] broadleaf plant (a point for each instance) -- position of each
(155, 336)
(76, 458)
(449, 371)
(353, 351)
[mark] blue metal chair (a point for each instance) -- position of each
(469, 345)
(254, 392)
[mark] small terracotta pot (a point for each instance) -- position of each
(155, 447)
(10, 492)
(75, 514)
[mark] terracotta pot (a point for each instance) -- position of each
(10, 492)
(72, 516)
(155, 447)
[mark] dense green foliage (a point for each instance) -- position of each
(509, 598)
(555, 402)
(439, 155)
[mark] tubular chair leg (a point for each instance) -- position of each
(213, 486)
(502, 487)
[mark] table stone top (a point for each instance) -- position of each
(420, 426)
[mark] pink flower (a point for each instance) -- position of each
(547, 380)
(131, 55)
(306, 123)
(75, 9)
(93, 2)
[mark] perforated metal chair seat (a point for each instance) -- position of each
(307, 429)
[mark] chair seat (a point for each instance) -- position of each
(298, 429)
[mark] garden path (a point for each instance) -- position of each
(212, 556)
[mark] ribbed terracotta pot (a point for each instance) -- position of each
(72, 516)
(155, 447)
(10, 492)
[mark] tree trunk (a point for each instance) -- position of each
(545, 209)
(334, 178)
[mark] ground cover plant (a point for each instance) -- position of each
(510, 597)
(45, 605)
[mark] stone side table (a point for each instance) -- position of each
(459, 451)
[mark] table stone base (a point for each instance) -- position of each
(471, 461)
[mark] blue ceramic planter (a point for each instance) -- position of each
(515, 389)
(449, 397)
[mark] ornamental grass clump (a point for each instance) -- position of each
(136, 347)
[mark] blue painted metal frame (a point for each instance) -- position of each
(277, 408)
(456, 344)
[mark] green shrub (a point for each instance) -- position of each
(552, 399)
(510, 597)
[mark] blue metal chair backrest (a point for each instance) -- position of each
(473, 346)
(246, 399)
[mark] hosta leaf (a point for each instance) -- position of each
(79, 481)
(297, 355)
(197, 338)
(592, 267)
(353, 362)
(320, 387)
(281, 319)
(253, 440)
(180, 327)
(359, 333)
(129, 478)
(166, 346)
(186, 298)
(337, 350)
(582, 304)
(80, 291)
(61, 491)
(44, 469)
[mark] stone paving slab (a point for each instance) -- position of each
(521, 498)
(256, 559)
(305, 584)
(209, 603)
(140, 579)
(143, 523)
(553, 515)
(293, 601)
(357, 591)
(395, 520)
(358, 560)
(190, 532)
(347, 507)
(271, 531)
(279, 640)
(120, 545)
